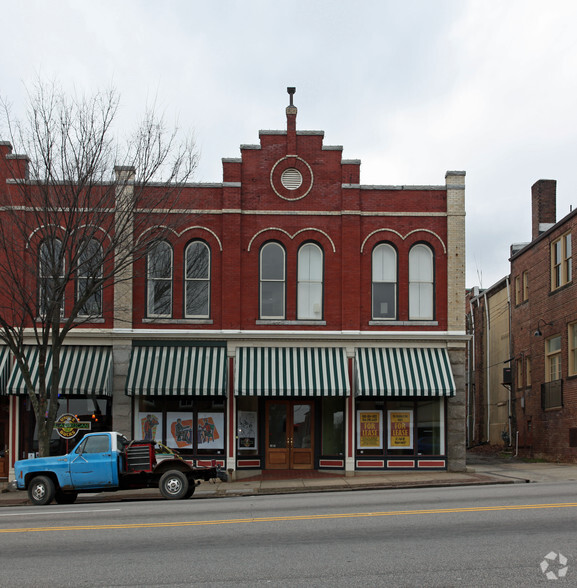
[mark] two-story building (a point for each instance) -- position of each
(294, 318)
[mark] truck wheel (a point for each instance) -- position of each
(65, 497)
(191, 489)
(41, 490)
(173, 485)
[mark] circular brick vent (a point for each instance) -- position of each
(291, 178)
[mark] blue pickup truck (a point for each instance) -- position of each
(108, 462)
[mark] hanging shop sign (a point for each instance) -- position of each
(370, 429)
(68, 425)
(400, 429)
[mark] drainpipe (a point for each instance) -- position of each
(488, 363)
(509, 402)
(472, 368)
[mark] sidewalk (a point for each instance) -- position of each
(259, 486)
(481, 470)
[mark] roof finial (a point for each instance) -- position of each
(291, 92)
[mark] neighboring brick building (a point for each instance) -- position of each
(489, 365)
(544, 332)
(295, 319)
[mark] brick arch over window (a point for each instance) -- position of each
(403, 237)
(300, 232)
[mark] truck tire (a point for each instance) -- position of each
(65, 497)
(41, 490)
(174, 485)
(191, 489)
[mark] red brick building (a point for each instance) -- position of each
(544, 332)
(293, 319)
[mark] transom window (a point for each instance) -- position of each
(272, 281)
(384, 288)
(159, 280)
(197, 280)
(421, 283)
(310, 282)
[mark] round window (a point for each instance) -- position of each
(291, 179)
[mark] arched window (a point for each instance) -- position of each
(89, 276)
(197, 280)
(421, 283)
(159, 280)
(384, 282)
(50, 277)
(310, 283)
(272, 281)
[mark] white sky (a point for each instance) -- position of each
(412, 88)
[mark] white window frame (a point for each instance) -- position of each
(158, 282)
(197, 281)
(421, 283)
(310, 282)
(384, 271)
(46, 277)
(94, 273)
(269, 280)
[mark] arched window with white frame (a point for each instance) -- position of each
(384, 290)
(50, 276)
(159, 280)
(421, 283)
(272, 281)
(89, 277)
(310, 282)
(197, 280)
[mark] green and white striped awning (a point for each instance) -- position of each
(403, 371)
(4, 367)
(83, 370)
(291, 371)
(177, 370)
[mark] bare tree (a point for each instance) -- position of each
(76, 213)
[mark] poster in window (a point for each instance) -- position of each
(400, 429)
(150, 425)
(370, 429)
(179, 430)
(246, 429)
(210, 426)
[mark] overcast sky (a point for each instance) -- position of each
(412, 88)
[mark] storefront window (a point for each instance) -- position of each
(430, 430)
(400, 427)
(247, 426)
(189, 425)
(97, 411)
(333, 426)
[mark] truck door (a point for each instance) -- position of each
(92, 464)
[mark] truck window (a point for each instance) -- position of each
(97, 444)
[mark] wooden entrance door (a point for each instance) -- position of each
(289, 435)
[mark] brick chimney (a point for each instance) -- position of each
(543, 206)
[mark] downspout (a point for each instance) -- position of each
(488, 364)
(472, 369)
(510, 413)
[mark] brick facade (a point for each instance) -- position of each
(550, 311)
(347, 220)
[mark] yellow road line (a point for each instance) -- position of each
(151, 525)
